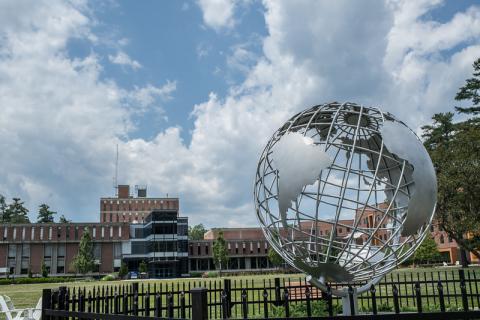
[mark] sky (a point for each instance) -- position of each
(191, 91)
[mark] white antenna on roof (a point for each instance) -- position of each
(115, 178)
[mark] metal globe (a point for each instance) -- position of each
(344, 193)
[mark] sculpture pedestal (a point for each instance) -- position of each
(350, 304)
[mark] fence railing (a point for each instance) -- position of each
(454, 293)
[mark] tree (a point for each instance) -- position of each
(275, 258)
(123, 271)
(220, 252)
(427, 252)
(84, 261)
(142, 267)
(196, 232)
(44, 214)
(471, 91)
(16, 212)
(62, 219)
(3, 208)
(455, 151)
(44, 270)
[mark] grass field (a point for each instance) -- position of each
(26, 295)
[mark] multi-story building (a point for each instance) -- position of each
(162, 242)
(25, 246)
(132, 209)
(137, 228)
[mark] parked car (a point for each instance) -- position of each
(132, 275)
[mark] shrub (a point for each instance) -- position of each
(319, 309)
(210, 274)
(196, 274)
(122, 273)
(109, 277)
(35, 280)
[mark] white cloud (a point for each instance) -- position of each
(121, 58)
(60, 121)
(218, 14)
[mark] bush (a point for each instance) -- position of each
(109, 277)
(35, 280)
(196, 274)
(122, 273)
(319, 309)
(210, 274)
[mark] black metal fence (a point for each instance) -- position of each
(451, 294)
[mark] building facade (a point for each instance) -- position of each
(135, 228)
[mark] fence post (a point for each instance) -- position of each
(199, 304)
(373, 290)
(441, 298)
(46, 302)
(396, 304)
(418, 294)
(265, 303)
(158, 305)
(227, 288)
(223, 296)
(309, 306)
(182, 305)
(244, 304)
(286, 303)
(329, 300)
(170, 306)
(463, 289)
(278, 294)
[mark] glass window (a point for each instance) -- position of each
(61, 251)
(61, 265)
(47, 253)
(12, 251)
(26, 250)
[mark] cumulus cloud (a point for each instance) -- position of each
(218, 14)
(121, 58)
(60, 120)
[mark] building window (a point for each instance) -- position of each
(198, 250)
(111, 232)
(12, 255)
(76, 233)
(41, 233)
(32, 234)
(14, 233)
(206, 249)
(103, 232)
(119, 231)
(49, 233)
(442, 239)
(23, 233)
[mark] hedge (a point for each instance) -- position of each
(37, 280)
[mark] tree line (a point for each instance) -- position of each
(16, 212)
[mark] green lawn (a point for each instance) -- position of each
(27, 295)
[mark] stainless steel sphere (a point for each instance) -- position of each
(344, 193)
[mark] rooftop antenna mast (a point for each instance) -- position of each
(115, 178)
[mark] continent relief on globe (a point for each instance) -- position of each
(299, 162)
(400, 141)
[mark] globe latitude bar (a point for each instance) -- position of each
(380, 186)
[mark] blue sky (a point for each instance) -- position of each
(191, 90)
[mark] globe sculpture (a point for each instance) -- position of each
(344, 193)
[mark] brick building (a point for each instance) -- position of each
(136, 228)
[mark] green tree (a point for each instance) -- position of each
(123, 271)
(196, 232)
(455, 151)
(220, 252)
(427, 252)
(471, 92)
(44, 270)
(84, 261)
(275, 258)
(142, 267)
(45, 215)
(62, 219)
(16, 212)
(3, 208)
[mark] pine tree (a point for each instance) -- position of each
(16, 212)
(471, 91)
(123, 270)
(44, 270)
(143, 268)
(62, 219)
(3, 208)
(220, 252)
(44, 214)
(84, 261)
